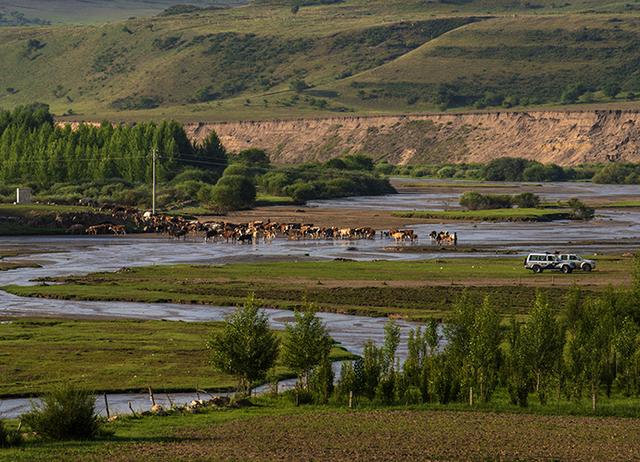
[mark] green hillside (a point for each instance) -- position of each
(268, 60)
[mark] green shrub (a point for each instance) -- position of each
(253, 157)
(9, 438)
(66, 413)
(580, 211)
(413, 395)
(505, 169)
(302, 192)
(206, 176)
(446, 172)
(235, 192)
(618, 173)
(477, 201)
(526, 200)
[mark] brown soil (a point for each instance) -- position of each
(401, 436)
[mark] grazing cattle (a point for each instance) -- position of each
(118, 229)
(444, 238)
(99, 229)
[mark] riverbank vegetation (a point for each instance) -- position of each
(500, 207)
(514, 169)
(415, 290)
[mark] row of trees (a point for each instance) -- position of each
(248, 349)
(503, 169)
(590, 347)
(593, 347)
(594, 344)
(34, 150)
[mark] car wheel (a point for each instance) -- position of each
(537, 269)
(566, 269)
(586, 267)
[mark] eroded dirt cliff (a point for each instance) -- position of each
(565, 138)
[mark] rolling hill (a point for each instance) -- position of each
(265, 60)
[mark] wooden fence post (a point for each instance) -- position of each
(106, 406)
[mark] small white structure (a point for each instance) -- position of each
(24, 196)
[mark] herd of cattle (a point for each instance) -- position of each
(249, 233)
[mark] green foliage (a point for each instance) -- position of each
(526, 200)
(505, 169)
(9, 438)
(306, 345)
(580, 211)
(572, 92)
(541, 339)
(497, 170)
(234, 192)
(517, 367)
(321, 381)
(618, 173)
(253, 158)
(66, 413)
(351, 162)
(246, 347)
(136, 103)
(476, 201)
(32, 150)
(611, 89)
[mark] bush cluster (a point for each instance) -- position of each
(618, 173)
(503, 169)
(477, 201)
(66, 413)
(9, 438)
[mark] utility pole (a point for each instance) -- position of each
(154, 156)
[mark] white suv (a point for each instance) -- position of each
(538, 262)
(577, 262)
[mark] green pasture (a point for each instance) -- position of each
(111, 356)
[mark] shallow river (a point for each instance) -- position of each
(80, 255)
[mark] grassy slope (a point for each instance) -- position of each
(523, 56)
(110, 356)
(415, 290)
(96, 65)
(276, 431)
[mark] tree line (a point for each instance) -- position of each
(519, 169)
(33, 150)
(587, 348)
